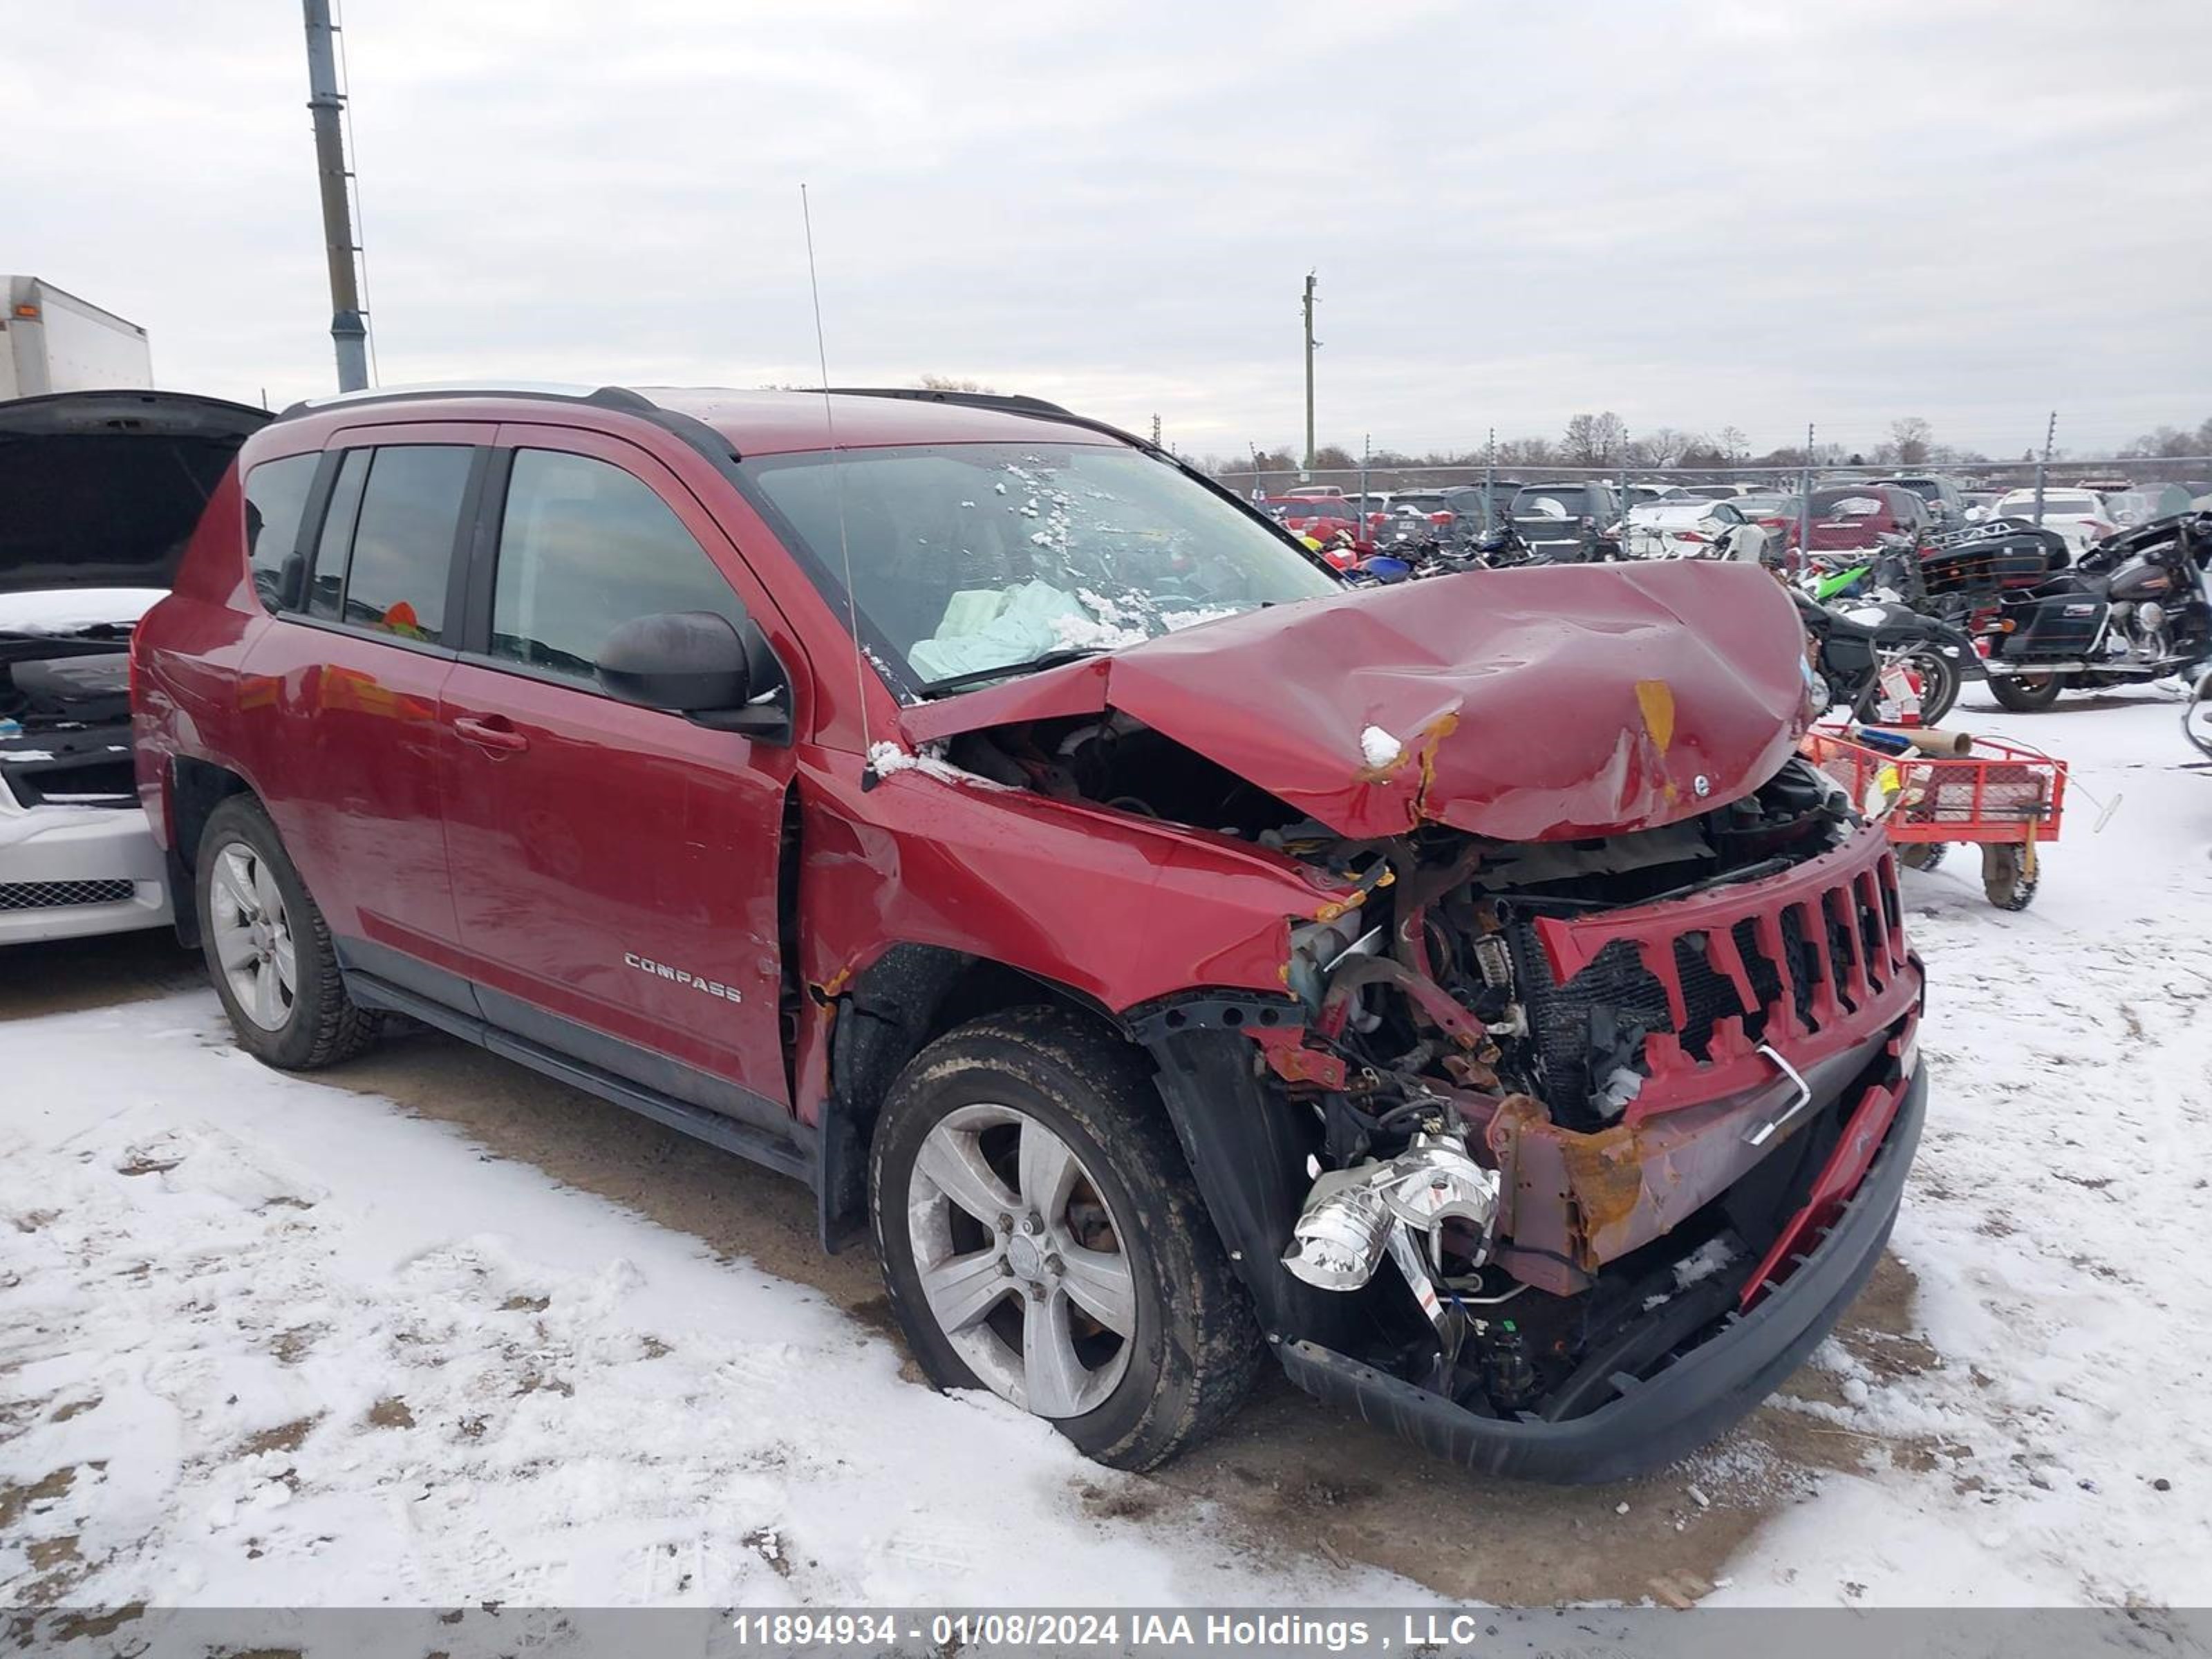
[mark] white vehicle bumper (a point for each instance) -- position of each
(66, 872)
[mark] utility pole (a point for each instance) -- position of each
(1805, 501)
(1310, 352)
(349, 333)
(2042, 466)
(1155, 431)
(1366, 454)
(1624, 480)
(1489, 478)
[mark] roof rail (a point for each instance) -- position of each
(605, 396)
(1013, 404)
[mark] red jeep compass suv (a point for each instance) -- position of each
(1460, 992)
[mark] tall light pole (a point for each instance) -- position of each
(1310, 352)
(349, 333)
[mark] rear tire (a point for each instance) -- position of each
(2026, 694)
(2007, 882)
(1922, 854)
(978, 1118)
(268, 948)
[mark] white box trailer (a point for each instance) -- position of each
(51, 341)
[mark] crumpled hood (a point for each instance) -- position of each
(1544, 704)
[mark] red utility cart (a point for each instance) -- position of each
(2003, 797)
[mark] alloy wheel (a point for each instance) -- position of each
(253, 936)
(1021, 1262)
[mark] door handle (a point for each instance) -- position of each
(492, 733)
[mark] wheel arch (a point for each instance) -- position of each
(903, 1001)
(196, 788)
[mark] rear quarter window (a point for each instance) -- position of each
(276, 500)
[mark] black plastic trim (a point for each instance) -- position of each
(777, 1152)
(1683, 1407)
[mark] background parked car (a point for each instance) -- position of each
(2079, 515)
(1946, 502)
(1560, 520)
(101, 490)
(1457, 511)
(1693, 529)
(1714, 492)
(1852, 518)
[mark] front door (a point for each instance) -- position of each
(614, 868)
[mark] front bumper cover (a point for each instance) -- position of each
(1683, 1407)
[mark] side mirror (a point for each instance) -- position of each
(700, 664)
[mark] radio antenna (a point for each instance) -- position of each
(837, 495)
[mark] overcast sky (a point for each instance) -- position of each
(1696, 215)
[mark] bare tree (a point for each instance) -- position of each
(1595, 439)
(952, 383)
(1664, 446)
(1526, 452)
(1911, 442)
(1735, 447)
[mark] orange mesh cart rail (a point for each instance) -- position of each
(2003, 797)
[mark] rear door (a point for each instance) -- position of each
(340, 697)
(615, 867)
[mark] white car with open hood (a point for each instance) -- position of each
(99, 493)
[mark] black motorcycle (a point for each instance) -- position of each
(2135, 607)
(1857, 643)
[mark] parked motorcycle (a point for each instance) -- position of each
(2137, 607)
(1869, 655)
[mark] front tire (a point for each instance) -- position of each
(1041, 1236)
(268, 948)
(1938, 686)
(2026, 694)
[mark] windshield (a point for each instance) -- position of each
(970, 557)
(1927, 489)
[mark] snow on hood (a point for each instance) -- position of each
(1545, 704)
(73, 610)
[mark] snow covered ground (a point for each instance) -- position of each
(266, 1341)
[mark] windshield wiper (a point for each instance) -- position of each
(1006, 671)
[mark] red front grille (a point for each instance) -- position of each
(1809, 963)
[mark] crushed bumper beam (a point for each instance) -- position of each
(1667, 1416)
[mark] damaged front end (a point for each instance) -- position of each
(1578, 1107)
(1581, 1111)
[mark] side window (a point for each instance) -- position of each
(328, 588)
(584, 546)
(403, 543)
(275, 498)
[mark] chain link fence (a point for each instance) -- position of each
(1633, 484)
